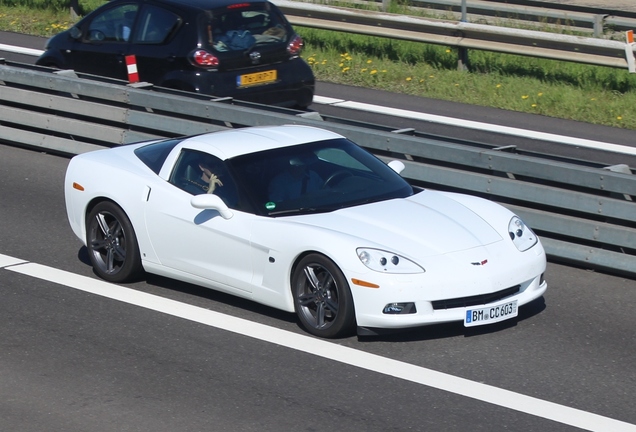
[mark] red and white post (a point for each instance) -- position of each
(629, 51)
(131, 65)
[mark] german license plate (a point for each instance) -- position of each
(256, 78)
(491, 314)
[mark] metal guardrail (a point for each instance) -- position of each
(597, 21)
(463, 35)
(584, 213)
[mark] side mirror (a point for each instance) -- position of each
(75, 33)
(211, 202)
(397, 166)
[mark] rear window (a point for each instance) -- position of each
(155, 154)
(243, 26)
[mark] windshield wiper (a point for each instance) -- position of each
(304, 210)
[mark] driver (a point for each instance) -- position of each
(295, 181)
(208, 177)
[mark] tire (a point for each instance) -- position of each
(112, 244)
(322, 298)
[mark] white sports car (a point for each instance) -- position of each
(304, 220)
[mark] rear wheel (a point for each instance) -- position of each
(112, 244)
(322, 297)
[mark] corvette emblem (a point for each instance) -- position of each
(480, 263)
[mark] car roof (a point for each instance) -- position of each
(206, 4)
(236, 142)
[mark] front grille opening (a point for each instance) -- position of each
(475, 300)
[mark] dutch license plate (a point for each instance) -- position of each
(256, 78)
(490, 314)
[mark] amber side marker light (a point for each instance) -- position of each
(364, 283)
(78, 186)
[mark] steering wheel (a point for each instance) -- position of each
(336, 178)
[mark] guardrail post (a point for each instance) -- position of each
(629, 51)
(462, 60)
(385, 5)
(75, 9)
(598, 25)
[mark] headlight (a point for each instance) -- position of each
(387, 262)
(521, 235)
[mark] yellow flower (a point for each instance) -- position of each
(324, 62)
(363, 70)
(619, 118)
(369, 61)
(345, 69)
(373, 72)
(534, 105)
(525, 97)
(431, 76)
(540, 94)
(408, 78)
(498, 86)
(448, 50)
(456, 85)
(341, 65)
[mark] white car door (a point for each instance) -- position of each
(200, 242)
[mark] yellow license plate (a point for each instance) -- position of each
(256, 78)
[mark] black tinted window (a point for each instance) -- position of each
(155, 25)
(113, 25)
(234, 29)
(155, 154)
(316, 177)
(200, 173)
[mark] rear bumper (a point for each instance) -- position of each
(294, 86)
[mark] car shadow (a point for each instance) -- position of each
(431, 332)
(82, 255)
(219, 297)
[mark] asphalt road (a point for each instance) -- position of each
(77, 361)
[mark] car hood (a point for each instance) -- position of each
(426, 224)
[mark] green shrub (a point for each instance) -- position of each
(85, 6)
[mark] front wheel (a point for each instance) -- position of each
(112, 244)
(322, 298)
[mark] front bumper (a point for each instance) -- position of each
(446, 295)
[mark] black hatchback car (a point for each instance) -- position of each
(243, 49)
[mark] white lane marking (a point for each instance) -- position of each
(506, 130)
(329, 350)
(341, 103)
(6, 261)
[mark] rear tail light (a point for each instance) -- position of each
(204, 58)
(295, 46)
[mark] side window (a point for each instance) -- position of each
(155, 154)
(114, 25)
(200, 173)
(156, 25)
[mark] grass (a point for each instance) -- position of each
(593, 94)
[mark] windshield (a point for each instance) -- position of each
(243, 26)
(316, 177)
